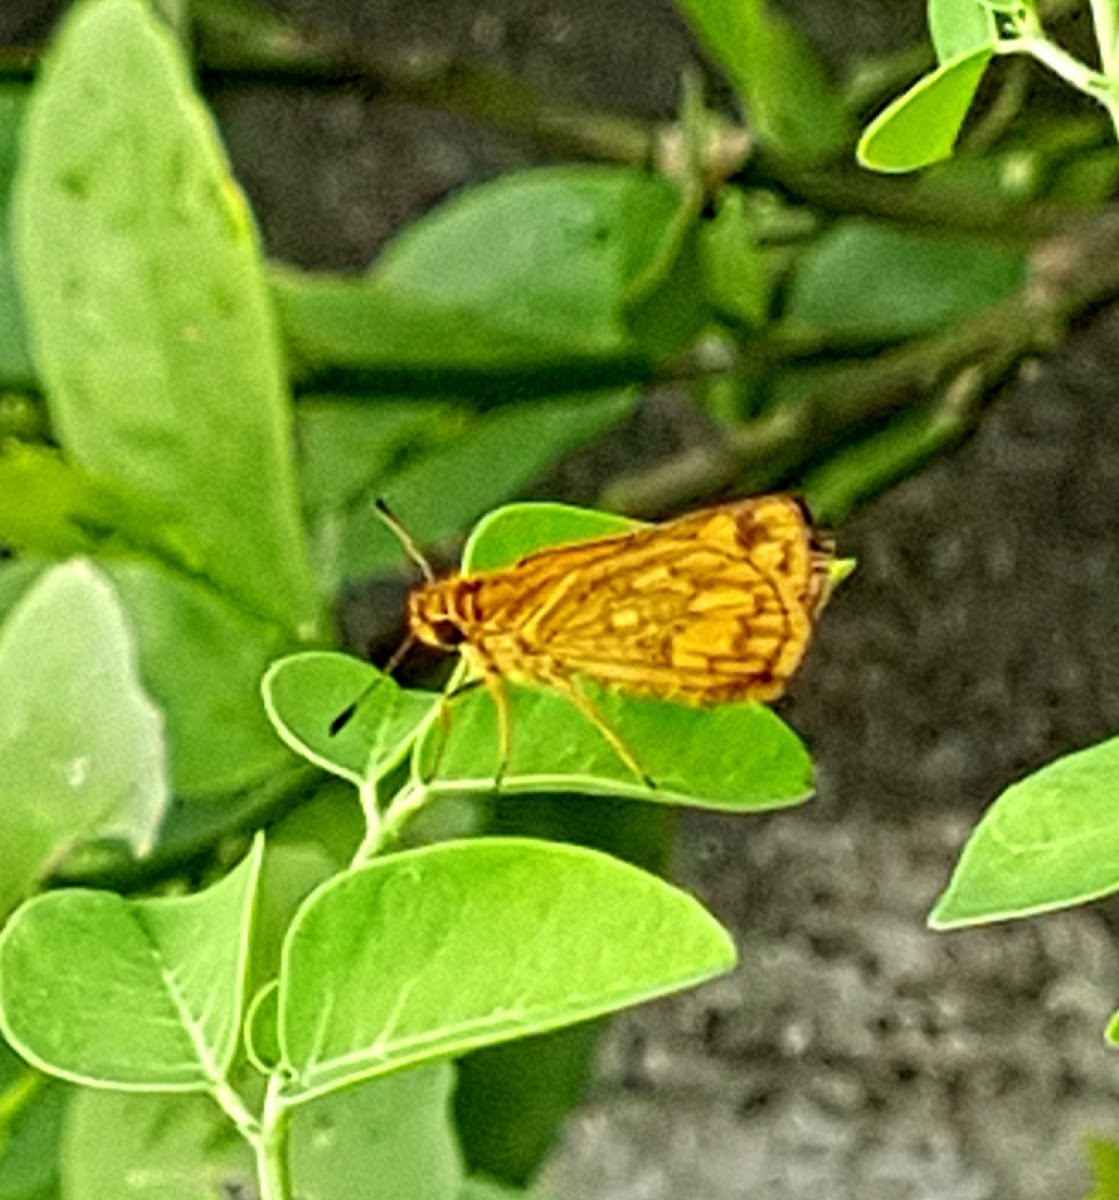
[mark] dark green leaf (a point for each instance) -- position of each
(31, 1107)
(15, 362)
(492, 458)
(875, 281)
(528, 272)
(346, 444)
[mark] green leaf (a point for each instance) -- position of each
(512, 1100)
(81, 743)
(526, 273)
(15, 361)
(50, 506)
(1103, 1154)
(131, 1146)
(510, 532)
(345, 444)
(921, 126)
(1049, 841)
(202, 658)
(432, 952)
(491, 458)
(874, 281)
(157, 1003)
(893, 452)
(737, 282)
(791, 104)
(737, 757)
(149, 314)
(31, 1109)
(390, 1139)
(960, 26)
(305, 693)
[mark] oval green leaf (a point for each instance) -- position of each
(921, 126)
(307, 696)
(735, 757)
(1048, 842)
(144, 994)
(151, 323)
(871, 280)
(960, 26)
(532, 268)
(433, 952)
(81, 742)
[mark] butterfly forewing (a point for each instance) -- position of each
(714, 606)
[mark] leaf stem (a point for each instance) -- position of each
(404, 806)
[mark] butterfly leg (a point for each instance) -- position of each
(570, 690)
(495, 685)
(485, 674)
(445, 701)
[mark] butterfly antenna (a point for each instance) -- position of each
(416, 555)
(405, 538)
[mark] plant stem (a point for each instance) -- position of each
(405, 804)
(18, 1094)
(1105, 18)
(270, 1146)
(1069, 68)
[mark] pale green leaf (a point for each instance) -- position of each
(428, 953)
(131, 1146)
(158, 999)
(82, 752)
(150, 319)
(307, 694)
(921, 126)
(1049, 841)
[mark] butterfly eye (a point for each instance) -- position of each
(447, 633)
